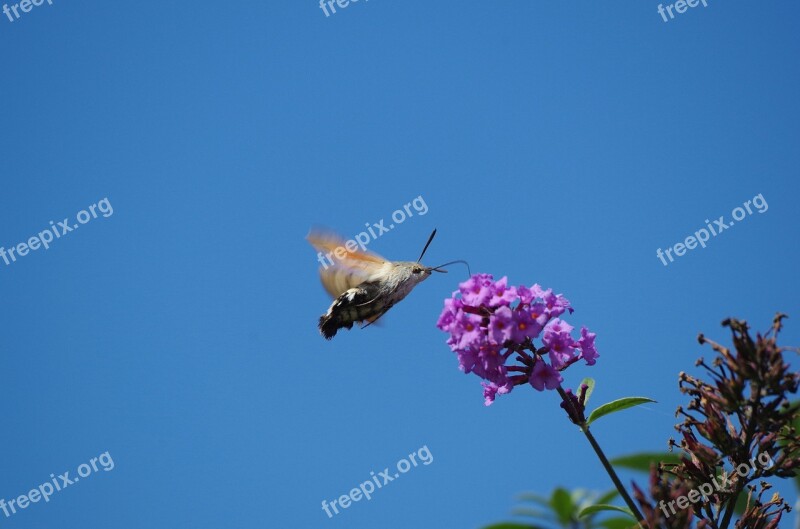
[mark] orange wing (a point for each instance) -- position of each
(348, 271)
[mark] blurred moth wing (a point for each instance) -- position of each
(350, 271)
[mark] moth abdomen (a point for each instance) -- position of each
(356, 304)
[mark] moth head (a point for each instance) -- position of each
(414, 272)
(420, 271)
(423, 272)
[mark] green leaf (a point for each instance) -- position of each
(535, 498)
(643, 460)
(741, 503)
(608, 496)
(532, 513)
(512, 525)
(561, 502)
(617, 523)
(601, 500)
(615, 406)
(589, 382)
(592, 509)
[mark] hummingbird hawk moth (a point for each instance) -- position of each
(364, 285)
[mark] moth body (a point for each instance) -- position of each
(371, 299)
(364, 285)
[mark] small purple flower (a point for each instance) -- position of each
(525, 294)
(467, 358)
(501, 325)
(490, 365)
(562, 358)
(467, 331)
(556, 304)
(502, 294)
(523, 326)
(558, 340)
(477, 290)
(448, 316)
(588, 349)
(544, 376)
(556, 327)
(539, 314)
(491, 390)
(538, 291)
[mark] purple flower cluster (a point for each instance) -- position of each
(491, 322)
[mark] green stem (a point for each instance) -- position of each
(604, 460)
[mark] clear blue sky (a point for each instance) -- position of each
(554, 142)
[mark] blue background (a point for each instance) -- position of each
(554, 142)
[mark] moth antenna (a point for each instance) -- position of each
(426, 245)
(436, 268)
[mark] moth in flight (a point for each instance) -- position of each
(364, 285)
